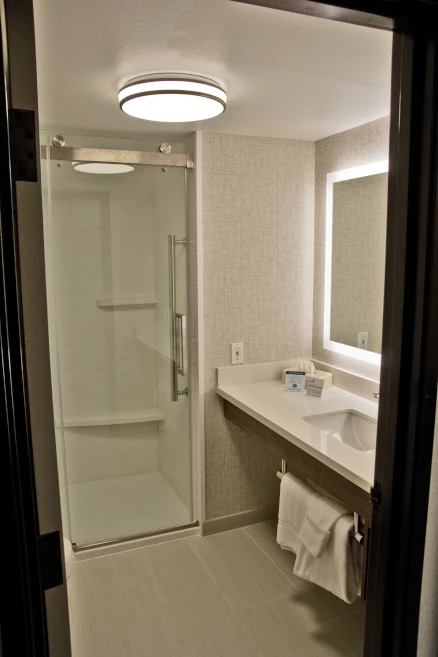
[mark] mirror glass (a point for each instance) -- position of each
(355, 260)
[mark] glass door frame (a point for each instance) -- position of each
(58, 151)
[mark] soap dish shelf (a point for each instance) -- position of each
(149, 415)
(115, 302)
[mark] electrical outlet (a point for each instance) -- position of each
(166, 315)
(362, 340)
(236, 353)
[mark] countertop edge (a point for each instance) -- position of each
(351, 476)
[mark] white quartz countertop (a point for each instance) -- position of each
(283, 412)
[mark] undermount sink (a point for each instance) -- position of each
(349, 427)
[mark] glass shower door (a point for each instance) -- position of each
(119, 300)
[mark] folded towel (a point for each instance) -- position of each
(292, 510)
(322, 514)
(338, 569)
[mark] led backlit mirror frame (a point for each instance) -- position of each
(334, 177)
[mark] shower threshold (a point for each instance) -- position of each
(135, 537)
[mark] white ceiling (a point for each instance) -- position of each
(286, 75)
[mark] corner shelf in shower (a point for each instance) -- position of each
(148, 415)
(138, 301)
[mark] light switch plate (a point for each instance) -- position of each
(236, 353)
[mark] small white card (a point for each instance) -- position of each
(315, 386)
(295, 381)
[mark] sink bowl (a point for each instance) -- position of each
(349, 427)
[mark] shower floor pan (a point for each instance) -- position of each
(115, 508)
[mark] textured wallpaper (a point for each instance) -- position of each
(362, 145)
(258, 197)
(358, 261)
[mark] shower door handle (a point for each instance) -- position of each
(181, 343)
(176, 340)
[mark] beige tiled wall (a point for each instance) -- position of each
(258, 197)
(362, 145)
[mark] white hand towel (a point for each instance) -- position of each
(292, 510)
(322, 514)
(338, 569)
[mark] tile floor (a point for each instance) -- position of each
(228, 595)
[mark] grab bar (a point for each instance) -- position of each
(174, 342)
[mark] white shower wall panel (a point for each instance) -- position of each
(102, 241)
(111, 451)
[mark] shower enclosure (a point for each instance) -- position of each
(116, 267)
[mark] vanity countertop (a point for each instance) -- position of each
(283, 412)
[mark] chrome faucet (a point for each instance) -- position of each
(376, 395)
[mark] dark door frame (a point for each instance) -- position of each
(409, 368)
(22, 601)
(409, 361)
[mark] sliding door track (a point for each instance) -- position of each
(133, 537)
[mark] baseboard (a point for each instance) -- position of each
(237, 520)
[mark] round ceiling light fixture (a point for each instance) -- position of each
(172, 98)
(102, 167)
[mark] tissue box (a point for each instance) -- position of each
(327, 377)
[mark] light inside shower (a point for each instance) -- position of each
(172, 98)
(102, 167)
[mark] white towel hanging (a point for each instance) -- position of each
(338, 567)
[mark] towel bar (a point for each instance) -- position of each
(283, 469)
(357, 522)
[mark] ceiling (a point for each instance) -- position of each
(286, 75)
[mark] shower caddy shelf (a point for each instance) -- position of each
(150, 415)
(113, 302)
